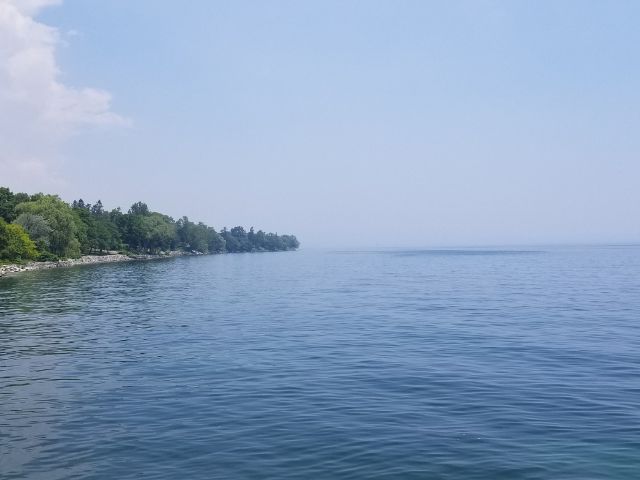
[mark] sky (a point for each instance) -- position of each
(348, 123)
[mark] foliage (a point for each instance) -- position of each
(99, 233)
(199, 237)
(8, 202)
(65, 228)
(139, 208)
(15, 243)
(37, 227)
(215, 242)
(237, 240)
(46, 227)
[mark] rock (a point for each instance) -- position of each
(84, 260)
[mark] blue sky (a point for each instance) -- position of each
(354, 123)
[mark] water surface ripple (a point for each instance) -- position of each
(339, 365)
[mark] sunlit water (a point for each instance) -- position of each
(337, 365)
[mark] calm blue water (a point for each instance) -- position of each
(338, 365)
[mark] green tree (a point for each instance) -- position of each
(231, 243)
(260, 240)
(290, 242)
(37, 227)
(139, 208)
(239, 233)
(98, 231)
(64, 230)
(215, 242)
(194, 237)
(62, 239)
(15, 243)
(8, 202)
(83, 223)
(97, 209)
(160, 232)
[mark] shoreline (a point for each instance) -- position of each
(14, 268)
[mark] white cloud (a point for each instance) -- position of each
(31, 7)
(37, 111)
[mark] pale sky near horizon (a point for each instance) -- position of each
(348, 123)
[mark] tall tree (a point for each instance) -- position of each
(60, 217)
(8, 202)
(37, 227)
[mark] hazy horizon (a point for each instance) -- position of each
(349, 124)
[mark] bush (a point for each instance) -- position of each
(15, 243)
(48, 257)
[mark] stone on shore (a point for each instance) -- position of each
(84, 260)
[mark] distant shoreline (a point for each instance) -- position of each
(11, 269)
(46, 228)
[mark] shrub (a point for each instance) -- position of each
(15, 243)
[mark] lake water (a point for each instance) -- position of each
(477, 364)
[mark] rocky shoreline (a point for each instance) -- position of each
(10, 269)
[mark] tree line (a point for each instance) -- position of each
(44, 227)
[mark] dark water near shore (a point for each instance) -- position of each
(338, 365)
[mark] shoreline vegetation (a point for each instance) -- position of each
(42, 231)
